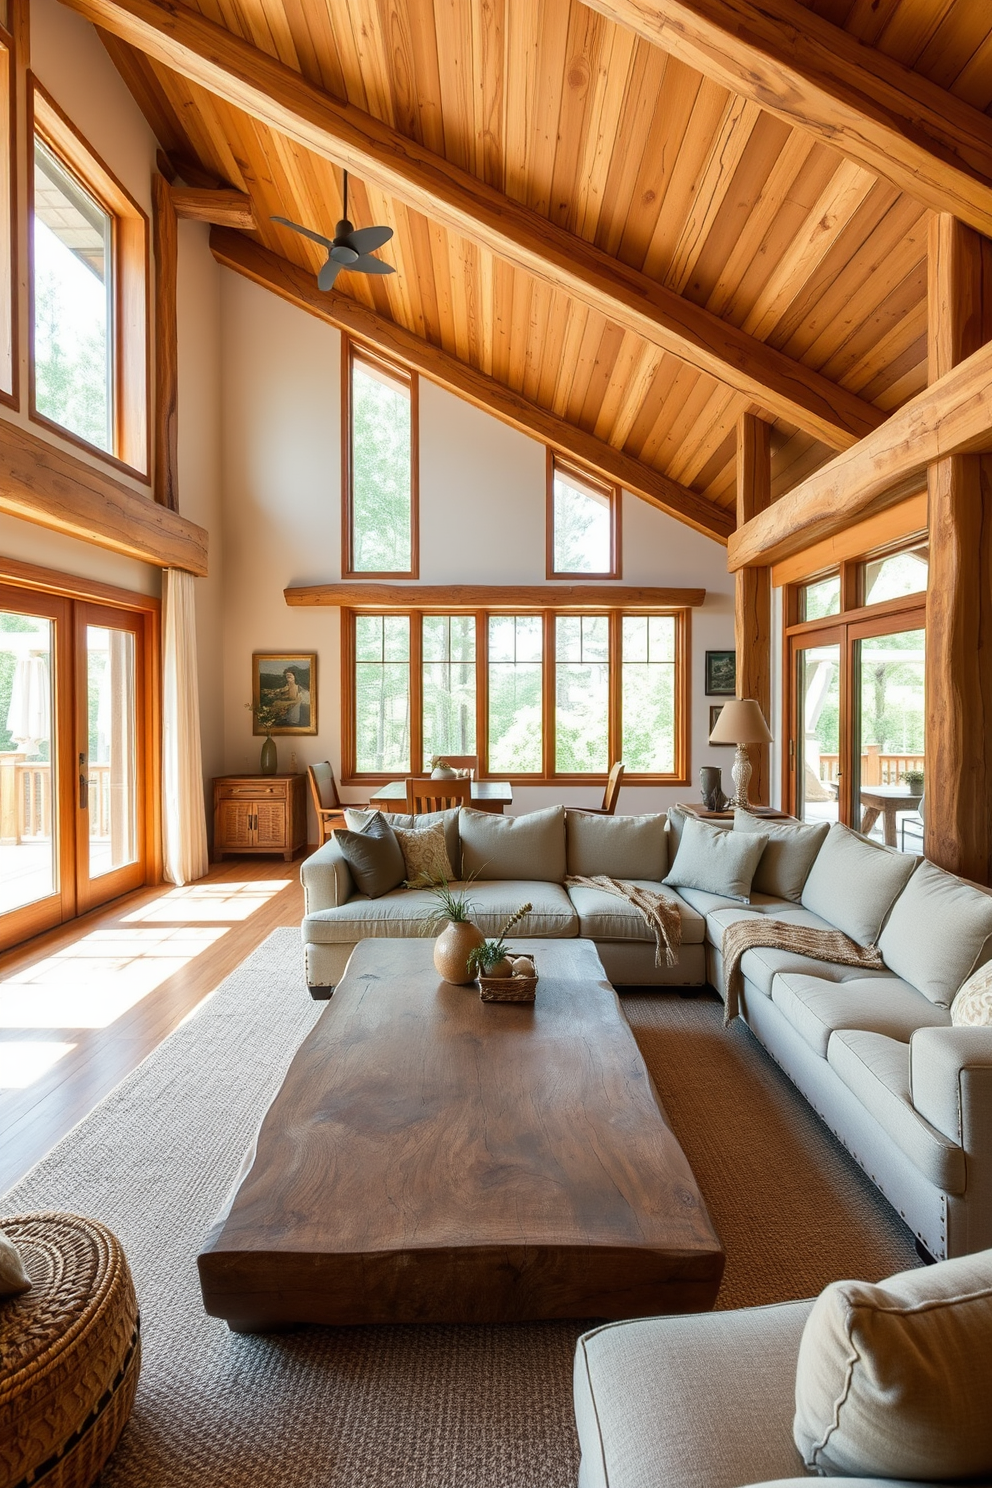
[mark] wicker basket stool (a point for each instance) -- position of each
(69, 1353)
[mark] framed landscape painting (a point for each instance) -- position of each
(715, 710)
(284, 693)
(721, 673)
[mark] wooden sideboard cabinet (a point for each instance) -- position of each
(260, 814)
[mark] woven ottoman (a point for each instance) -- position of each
(69, 1353)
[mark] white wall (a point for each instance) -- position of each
(482, 501)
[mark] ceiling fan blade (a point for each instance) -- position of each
(306, 231)
(328, 274)
(369, 265)
(367, 239)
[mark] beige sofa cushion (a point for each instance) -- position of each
(939, 930)
(425, 854)
(854, 883)
(415, 911)
(879, 1004)
(631, 847)
(718, 862)
(530, 846)
(788, 856)
(895, 1380)
(603, 916)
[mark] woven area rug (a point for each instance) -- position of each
(411, 1407)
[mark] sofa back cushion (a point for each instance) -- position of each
(357, 820)
(619, 846)
(939, 930)
(716, 861)
(788, 856)
(895, 1380)
(854, 883)
(530, 846)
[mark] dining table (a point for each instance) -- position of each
(886, 801)
(486, 795)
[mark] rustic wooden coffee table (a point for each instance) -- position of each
(433, 1158)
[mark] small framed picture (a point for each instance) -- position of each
(721, 673)
(284, 693)
(715, 710)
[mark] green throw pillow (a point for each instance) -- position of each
(374, 856)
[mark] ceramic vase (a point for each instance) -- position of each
(452, 949)
(711, 787)
(269, 763)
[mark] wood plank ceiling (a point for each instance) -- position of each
(609, 138)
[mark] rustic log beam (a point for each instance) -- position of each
(958, 813)
(753, 592)
(298, 286)
(41, 483)
(783, 56)
(283, 100)
(165, 241)
(951, 417)
(220, 205)
(414, 596)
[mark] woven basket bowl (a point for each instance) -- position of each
(70, 1353)
(508, 989)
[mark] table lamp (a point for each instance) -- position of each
(742, 723)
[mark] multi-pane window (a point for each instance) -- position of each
(381, 439)
(548, 694)
(583, 516)
(449, 690)
(73, 308)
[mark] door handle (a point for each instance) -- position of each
(84, 785)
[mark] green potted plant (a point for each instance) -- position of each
(460, 937)
(914, 779)
(266, 716)
(490, 959)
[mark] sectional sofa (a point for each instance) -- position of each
(877, 1053)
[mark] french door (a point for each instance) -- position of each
(73, 758)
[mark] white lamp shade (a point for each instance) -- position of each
(740, 722)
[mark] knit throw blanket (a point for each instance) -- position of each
(821, 945)
(659, 913)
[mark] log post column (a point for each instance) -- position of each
(753, 591)
(165, 243)
(958, 809)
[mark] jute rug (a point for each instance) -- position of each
(427, 1407)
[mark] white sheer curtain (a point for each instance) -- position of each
(184, 825)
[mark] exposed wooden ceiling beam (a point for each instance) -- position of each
(298, 286)
(783, 56)
(491, 596)
(222, 206)
(952, 416)
(282, 99)
(41, 483)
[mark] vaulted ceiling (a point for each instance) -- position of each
(649, 250)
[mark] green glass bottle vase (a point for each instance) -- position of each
(270, 759)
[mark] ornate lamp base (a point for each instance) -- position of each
(741, 776)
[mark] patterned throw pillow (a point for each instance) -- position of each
(972, 1007)
(425, 855)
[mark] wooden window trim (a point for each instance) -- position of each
(608, 489)
(547, 776)
(9, 238)
(352, 351)
(132, 424)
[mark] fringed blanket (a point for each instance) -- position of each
(659, 912)
(821, 945)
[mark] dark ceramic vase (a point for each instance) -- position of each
(270, 759)
(711, 787)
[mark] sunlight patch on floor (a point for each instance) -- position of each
(209, 901)
(97, 979)
(24, 1061)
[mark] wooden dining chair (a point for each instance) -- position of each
(610, 794)
(436, 795)
(330, 811)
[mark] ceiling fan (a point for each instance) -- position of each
(350, 248)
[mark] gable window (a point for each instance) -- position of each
(583, 523)
(545, 695)
(89, 246)
(380, 443)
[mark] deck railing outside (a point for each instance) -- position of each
(26, 800)
(876, 768)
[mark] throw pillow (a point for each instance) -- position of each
(972, 1008)
(13, 1278)
(358, 820)
(716, 861)
(425, 855)
(854, 883)
(789, 855)
(894, 1380)
(526, 847)
(374, 856)
(619, 846)
(939, 930)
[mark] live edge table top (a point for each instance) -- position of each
(434, 1158)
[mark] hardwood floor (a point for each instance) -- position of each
(82, 1005)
